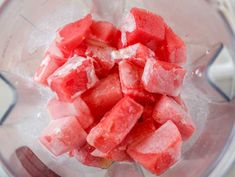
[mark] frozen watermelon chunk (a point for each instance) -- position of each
(84, 156)
(167, 109)
(158, 151)
(47, 67)
(75, 77)
(71, 35)
(173, 49)
(63, 135)
(181, 102)
(164, 78)
(104, 96)
(130, 77)
(142, 26)
(80, 50)
(101, 59)
(136, 53)
(117, 154)
(59, 109)
(104, 31)
(115, 125)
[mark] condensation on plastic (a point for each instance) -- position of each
(25, 33)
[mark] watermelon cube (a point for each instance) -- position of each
(176, 49)
(115, 125)
(75, 77)
(84, 156)
(143, 26)
(101, 59)
(80, 50)
(117, 154)
(168, 109)
(181, 102)
(160, 150)
(71, 35)
(137, 53)
(59, 109)
(104, 31)
(63, 135)
(103, 96)
(164, 78)
(47, 67)
(130, 77)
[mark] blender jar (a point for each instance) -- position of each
(27, 27)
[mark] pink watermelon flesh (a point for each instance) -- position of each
(130, 77)
(71, 35)
(84, 156)
(117, 154)
(48, 66)
(142, 26)
(104, 31)
(63, 135)
(80, 50)
(115, 125)
(158, 151)
(168, 109)
(101, 59)
(59, 109)
(175, 48)
(75, 77)
(164, 78)
(137, 53)
(181, 102)
(104, 96)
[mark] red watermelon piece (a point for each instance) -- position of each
(81, 50)
(104, 31)
(63, 135)
(75, 77)
(117, 154)
(115, 125)
(136, 53)
(47, 67)
(130, 77)
(181, 102)
(168, 109)
(84, 156)
(160, 150)
(173, 49)
(103, 96)
(59, 109)
(102, 59)
(164, 78)
(142, 26)
(71, 35)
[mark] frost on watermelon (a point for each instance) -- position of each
(164, 78)
(72, 79)
(54, 58)
(130, 77)
(117, 154)
(142, 26)
(160, 150)
(103, 96)
(85, 157)
(63, 135)
(47, 67)
(71, 35)
(173, 49)
(101, 58)
(136, 53)
(115, 125)
(59, 109)
(104, 31)
(168, 109)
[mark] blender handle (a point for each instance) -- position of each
(13, 102)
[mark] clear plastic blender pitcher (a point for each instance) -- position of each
(28, 26)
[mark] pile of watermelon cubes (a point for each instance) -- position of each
(117, 92)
